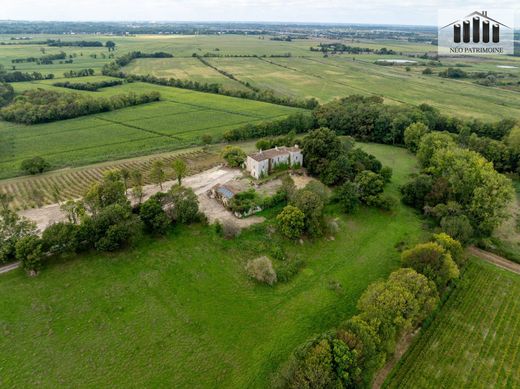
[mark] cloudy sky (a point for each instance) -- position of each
(334, 11)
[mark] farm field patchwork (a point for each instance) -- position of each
(176, 122)
(180, 310)
(474, 341)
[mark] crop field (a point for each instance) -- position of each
(32, 192)
(474, 342)
(176, 122)
(181, 310)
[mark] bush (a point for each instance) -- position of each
(287, 269)
(291, 222)
(433, 261)
(386, 172)
(383, 202)
(185, 205)
(153, 216)
(459, 227)
(261, 269)
(369, 184)
(347, 196)
(29, 251)
(312, 207)
(234, 156)
(60, 238)
(36, 165)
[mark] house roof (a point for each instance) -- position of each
(225, 191)
(262, 155)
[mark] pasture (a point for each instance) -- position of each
(177, 121)
(474, 341)
(181, 310)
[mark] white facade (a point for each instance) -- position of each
(263, 162)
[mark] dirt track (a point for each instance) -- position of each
(200, 183)
(495, 259)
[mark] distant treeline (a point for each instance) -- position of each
(60, 43)
(88, 86)
(218, 55)
(18, 76)
(79, 73)
(43, 60)
(342, 48)
(113, 69)
(40, 106)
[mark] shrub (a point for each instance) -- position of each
(287, 269)
(153, 216)
(291, 222)
(261, 269)
(60, 238)
(312, 207)
(459, 227)
(36, 165)
(29, 251)
(369, 184)
(347, 196)
(433, 261)
(185, 205)
(234, 156)
(386, 203)
(386, 172)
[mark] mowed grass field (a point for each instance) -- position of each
(181, 312)
(178, 121)
(474, 342)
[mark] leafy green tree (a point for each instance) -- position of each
(315, 369)
(430, 143)
(109, 191)
(291, 222)
(457, 226)
(433, 261)
(74, 210)
(369, 184)
(157, 173)
(6, 93)
(312, 207)
(413, 135)
(154, 217)
(320, 148)
(347, 196)
(234, 156)
(60, 238)
(185, 205)
(110, 45)
(137, 180)
(29, 252)
(414, 193)
(452, 246)
(36, 165)
(125, 176)
(180, 169)
(346, 364)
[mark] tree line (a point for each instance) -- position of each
(88, 86)
(40, 106)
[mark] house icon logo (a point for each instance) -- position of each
(479, 32)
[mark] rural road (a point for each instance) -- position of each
(11, 266)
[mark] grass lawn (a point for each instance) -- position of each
(475, 339)
(181, 312)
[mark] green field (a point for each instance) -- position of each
(474, 341)
(176, 122)
(180, 311)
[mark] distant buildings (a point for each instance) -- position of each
(262, 163)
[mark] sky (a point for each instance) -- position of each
(419, 12)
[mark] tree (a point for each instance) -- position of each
(12, 229)
(312, 207)
(433, 261)
(185, 205)
(430, 143)
(180, 169)
(153, 216)
(369, 184)
(414, 192)
(457, 226)
(109, 191)
(291, 222)
(314, 370)
(60, 238)
(6, 93)
(206, 139)
(157, 173)
(427, 71)
(29, 252)
(136, 178)
(348, 197)
(320, 148)
(452, 246)
(36, 165)
(234, 156)
(346, 364)
(74, 210)
(125, 175)
(413, 135)
(110, 45)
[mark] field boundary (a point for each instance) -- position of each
(494, 259)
